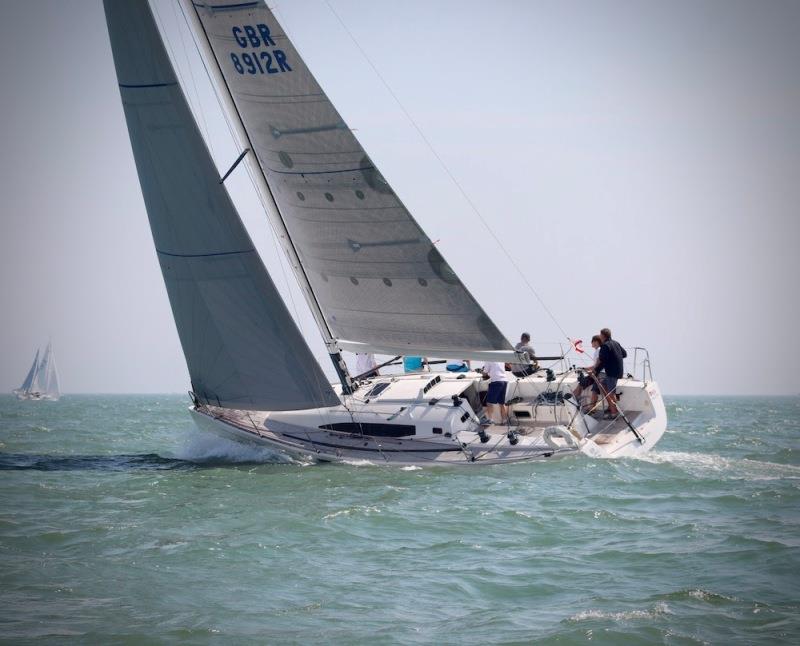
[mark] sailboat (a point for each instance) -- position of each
(372, 278)
(41, 383)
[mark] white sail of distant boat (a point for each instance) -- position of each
(41, 382)
(372, 278)
(28, 385)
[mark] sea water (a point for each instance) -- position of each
(121, 523)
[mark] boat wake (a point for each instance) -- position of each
(703, 464)
(45, 462)
(206, 449)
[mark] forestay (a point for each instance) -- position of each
(242, 348)
(377, 277)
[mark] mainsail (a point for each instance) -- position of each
(47, 375)
(241, 345)
(376, 277)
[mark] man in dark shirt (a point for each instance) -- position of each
(611, 360)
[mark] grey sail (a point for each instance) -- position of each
(26, 385)
(241, 345)
(50, 384)
(378, 278)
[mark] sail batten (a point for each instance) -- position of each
(242, 348)
(357, 246)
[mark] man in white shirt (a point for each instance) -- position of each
(365, 361)
(496, 396)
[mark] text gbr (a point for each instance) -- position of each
(258, 62)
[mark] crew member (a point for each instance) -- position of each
(610, 359)
(526, 350)
(496, 396)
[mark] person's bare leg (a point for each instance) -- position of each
(606, 396)
(503, 414)
(490, 412)
(593, 403)
(612, 404)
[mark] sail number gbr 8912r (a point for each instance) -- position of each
(257, 62)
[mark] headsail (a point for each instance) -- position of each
(379, 280)
(241, 345)
(29, 379)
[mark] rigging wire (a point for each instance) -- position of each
(446, 169)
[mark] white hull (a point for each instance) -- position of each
(25, 396)
(442, 430)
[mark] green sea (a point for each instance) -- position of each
(121, 524)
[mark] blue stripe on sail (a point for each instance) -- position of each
(318, 172)
(227, 7)
(132, 85)
(203, 255)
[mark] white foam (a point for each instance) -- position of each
(705, 595)
(742, 468)
(364, 510)
(657, 610)
(205, 447)
(358, 462)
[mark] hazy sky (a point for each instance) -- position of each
(640, 160)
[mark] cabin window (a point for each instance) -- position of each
(377, 389)
(377, 430)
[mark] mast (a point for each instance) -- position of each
(267, 199)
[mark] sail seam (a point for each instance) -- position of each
(319, 172)
(134, 86)
(203, 255)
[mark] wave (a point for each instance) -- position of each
(657, 610)
(698, 594)
(701, 464)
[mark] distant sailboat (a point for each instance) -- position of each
(372, 278)
(41, 383)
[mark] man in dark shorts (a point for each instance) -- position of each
(496, 396)
(610, 359)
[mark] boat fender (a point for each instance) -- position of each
(552, 432)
